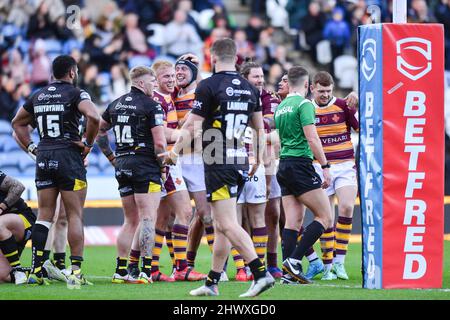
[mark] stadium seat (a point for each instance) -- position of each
(29, 171)
(302, 40)
(109, 171)
(11, 170)
(204, 18)
(93, 170)
(5, 127)
(25, 161)
(12, 158)
(157, 39)
(346, 71)
(103, 162)
(324, 52)
(8, 144)
(139, 60)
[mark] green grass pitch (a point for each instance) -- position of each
(100, 263)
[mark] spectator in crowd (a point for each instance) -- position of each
(90, 83)
(221, 18)
(254, 28)
(276, 11)
(297, 9)
(312, 26)
(40, 65)
(337, 31)
(419, 13)
(265, 48)
(244, 48)
(135, 39)
(40, 25)
(181, 37)
(119, 82)
(8, 100)
(17, 68)
(276, 71)
(216, 34)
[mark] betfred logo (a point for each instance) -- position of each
(369, 59)
(413, 57)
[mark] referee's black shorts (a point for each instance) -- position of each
(296, 176)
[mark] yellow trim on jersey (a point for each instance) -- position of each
(26, 223)
(79, 185)
(221, 194)
(217, 124)
(154, 187)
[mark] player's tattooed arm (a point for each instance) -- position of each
(147, 236)
(103, 141)
(14, 189)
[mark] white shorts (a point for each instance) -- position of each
(174, 181)
(254, 190)
(342, 174)
(275, 190)
(193, 171)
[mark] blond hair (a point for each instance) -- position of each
(161, 64)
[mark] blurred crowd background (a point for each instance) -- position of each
(108, 37)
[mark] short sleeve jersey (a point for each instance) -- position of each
(226, 101)
(269, 102)
(168, 106)
(334, 122)
(132, 116)
(291, 116)
(56, 114)
(20, 206)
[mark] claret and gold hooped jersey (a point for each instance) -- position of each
(334, 122)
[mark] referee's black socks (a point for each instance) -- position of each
(312, 233)
(288, 242)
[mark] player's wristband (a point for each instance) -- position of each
(90, 146)
(32, 147)
(326, 166)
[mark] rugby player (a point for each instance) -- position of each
(176, 197)
(334, 120)
(225, 104)
(57, 109)
(57, 238)
(268, 227)
(16, 222)
(137, 122)
(300, 184)
(187, 76)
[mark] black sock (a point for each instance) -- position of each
(60, 260)
(147, 266)
(76, 261)
(121, 267)
(310, 236)
(46, 255)
(213, 278)
(258, 269)
(38, 239)
(11, 251)
(288, 242)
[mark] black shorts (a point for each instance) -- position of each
(29, 219)
(224, 183)
(137, 174)
(60, 168)
(297, 176)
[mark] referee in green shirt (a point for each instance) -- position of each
(300, 184)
